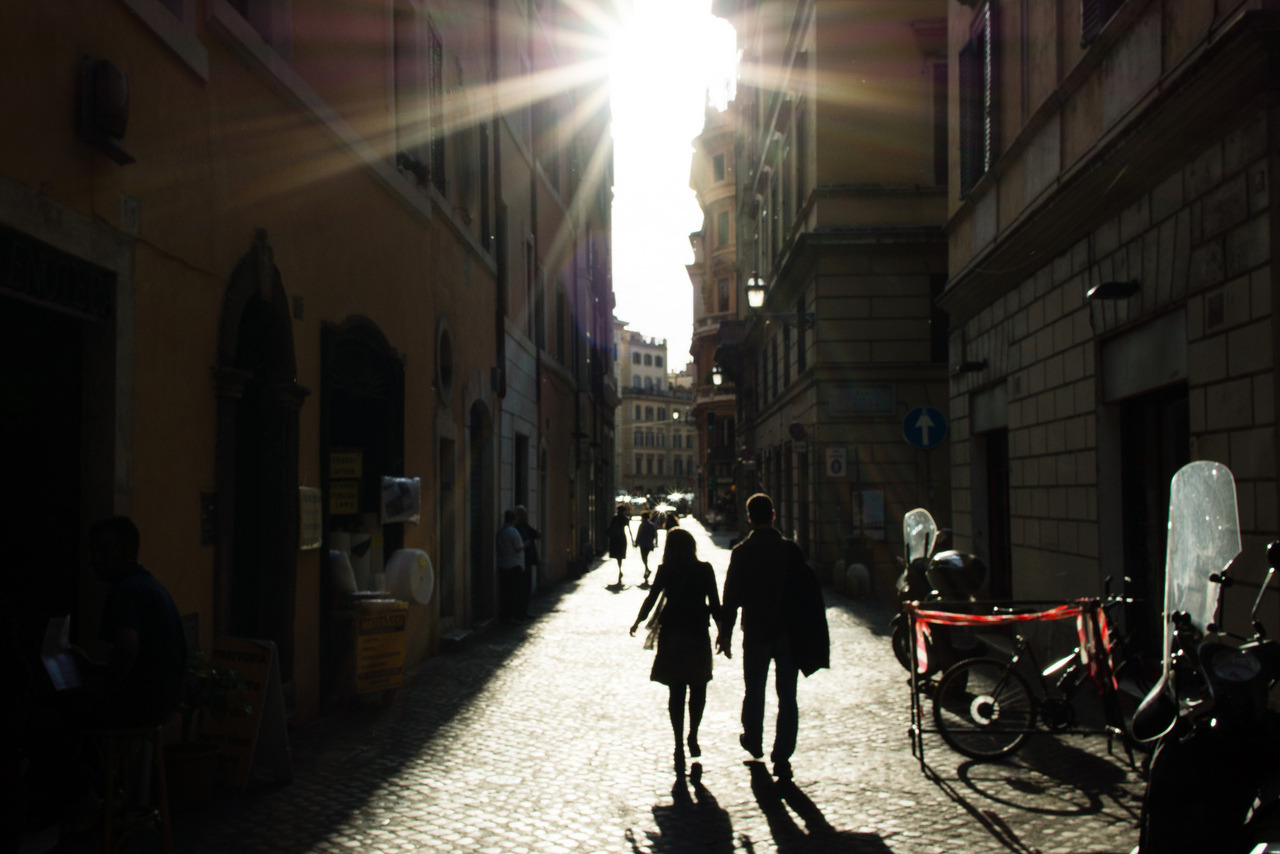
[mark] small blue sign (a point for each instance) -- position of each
(924, 427)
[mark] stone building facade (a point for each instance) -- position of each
(1112, 289)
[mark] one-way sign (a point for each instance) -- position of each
(924, 427)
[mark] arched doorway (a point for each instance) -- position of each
(257, 458)
(483, 526)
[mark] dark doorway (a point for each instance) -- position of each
(447, 569)
(481, 518)
(257, 451)
(995, 446)
(41, 357)
(362, 417)
(1155, 441)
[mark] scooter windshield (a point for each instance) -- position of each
(918, 533)
(1204, 537)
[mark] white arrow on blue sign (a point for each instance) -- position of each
(924, 427)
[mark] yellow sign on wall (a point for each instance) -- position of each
(380, 645)
(346, 464)
(344, 497)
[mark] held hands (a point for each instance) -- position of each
(634, 626)
(724, 645)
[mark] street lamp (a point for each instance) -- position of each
(717, 378)
(756, 291)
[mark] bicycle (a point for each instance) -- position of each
(984, 708)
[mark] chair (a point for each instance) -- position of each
(135, 795)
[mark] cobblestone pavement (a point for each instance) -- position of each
(548, 737)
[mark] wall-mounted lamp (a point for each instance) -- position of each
(969, 367)
(756, 290)
(1113, 290)
(717, 377)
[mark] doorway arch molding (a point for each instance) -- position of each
(258, 401)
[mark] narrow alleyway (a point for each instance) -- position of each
(548, 737)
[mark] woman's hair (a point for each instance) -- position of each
(681, 548)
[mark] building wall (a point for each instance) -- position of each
(1071, 378)
(284, 151)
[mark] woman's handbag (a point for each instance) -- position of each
(655, 620)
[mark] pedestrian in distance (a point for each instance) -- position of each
(685, 600)
(646, 540)
(618, 534)
(783, 621)
(530, 535)
(510, 548)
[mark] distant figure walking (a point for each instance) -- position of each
(783, 621)
(619, 532)
(683, 660)
(646, 541)
(510, 555)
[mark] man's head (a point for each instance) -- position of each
(508, 517)
(760, 510)
(522, 514)
(113, 546)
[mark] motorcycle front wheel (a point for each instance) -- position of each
(983, 708)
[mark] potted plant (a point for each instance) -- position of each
(209, 692)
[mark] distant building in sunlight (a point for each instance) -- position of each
(714, 277)
(299, 285)
(839, 202)
(656, 442)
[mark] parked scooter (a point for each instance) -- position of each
(928, 577)
(1214, 779)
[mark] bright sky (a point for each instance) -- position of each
(664, 59)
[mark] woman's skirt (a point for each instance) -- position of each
(683, 657)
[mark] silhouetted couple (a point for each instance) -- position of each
(783, 622)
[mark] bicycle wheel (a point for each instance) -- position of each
(983, 709)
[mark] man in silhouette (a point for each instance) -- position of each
(783, 622)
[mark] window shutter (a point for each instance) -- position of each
(970, 88)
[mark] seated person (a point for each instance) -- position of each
(140, 684)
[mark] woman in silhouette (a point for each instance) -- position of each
(683, 660)
(619, 532)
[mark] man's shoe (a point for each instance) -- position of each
(756, 751)
(782, 770)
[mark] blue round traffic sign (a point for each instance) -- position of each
(924, 427)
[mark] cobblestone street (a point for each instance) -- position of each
(549, 737)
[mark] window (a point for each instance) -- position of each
(648, 413)
(648, 464)
(979, 112)
(660, 462)
(435, 106)
(801, 358)
(675, 440)
(648, 438)
(648, 383)
(648, 358)
(639, 462)
(717, 164)
(786, 356)
(662, 413)
(638, 439)
(637, 383)
(1094, 15)
(662, 440)
(722, 294)
(657, 361)
(679, 465)
(638, 411)
(635, 358)
(722, 228)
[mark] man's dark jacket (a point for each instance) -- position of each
(778, 592)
